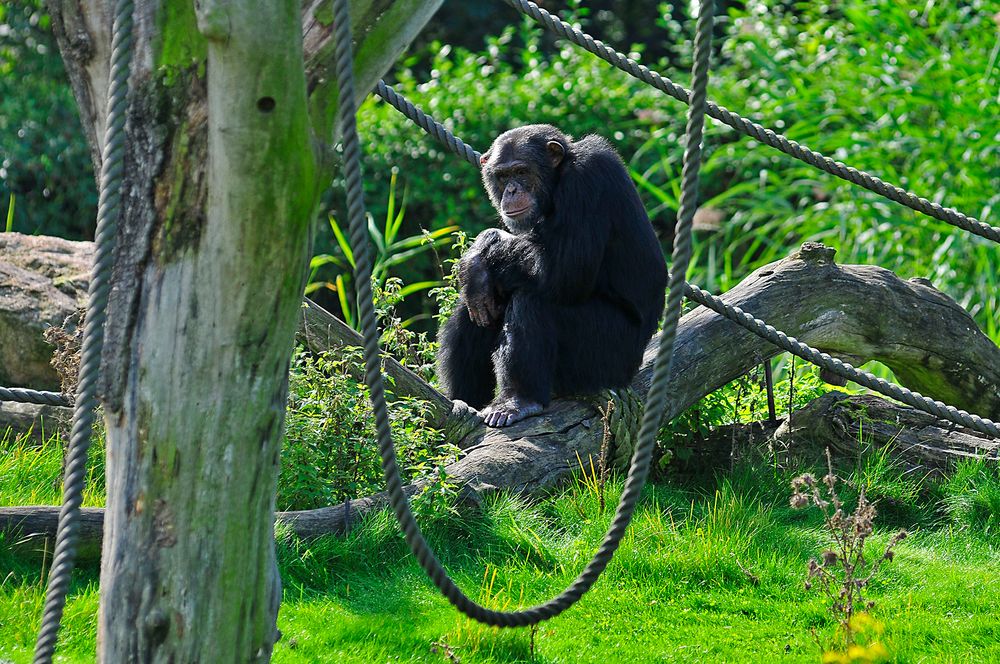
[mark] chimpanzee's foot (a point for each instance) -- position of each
(504, 412)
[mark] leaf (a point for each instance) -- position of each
(342, 242)
(661, 195)
(345, 306)
(418, 286)
(376, 235)
(10, 213)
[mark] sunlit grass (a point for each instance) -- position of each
(711, 570)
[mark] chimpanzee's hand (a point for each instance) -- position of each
(479, 291)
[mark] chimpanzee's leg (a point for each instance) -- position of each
(525, 359)
(465, 365)
(599, 346)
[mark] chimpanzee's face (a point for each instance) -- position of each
(519, 174)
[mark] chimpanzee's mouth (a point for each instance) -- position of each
(518, 212)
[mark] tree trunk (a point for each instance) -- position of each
(222, 181)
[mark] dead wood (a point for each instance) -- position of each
(856, 312)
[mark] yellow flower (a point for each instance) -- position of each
(862, 622)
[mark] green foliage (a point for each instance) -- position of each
(899, 89)
(741, 401)
(391, 252)
(512, 82)
(31, 470)
(44, 157)
(710, 571)
(9, 225)
(329, 451)
(970, 497)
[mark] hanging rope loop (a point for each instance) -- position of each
(656, 403)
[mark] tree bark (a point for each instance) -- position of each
(868, 311)
(223, 177)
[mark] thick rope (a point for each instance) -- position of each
(758, 132)
(34, 396)
(93, 335)
(783, 341)
(655, 404)
(427, 123)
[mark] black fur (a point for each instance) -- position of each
(564, 303)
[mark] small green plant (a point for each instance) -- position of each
(391, 251)
(741, 401)
(415, 350)
(328, 453)
(842, 571)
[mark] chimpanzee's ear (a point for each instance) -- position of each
(556, 152)
(483, 158)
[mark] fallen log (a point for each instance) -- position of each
(856, 312)
(854, 425)
(851, 427)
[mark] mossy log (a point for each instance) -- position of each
(856, 311)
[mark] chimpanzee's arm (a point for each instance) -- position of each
(512, 260)
(497, 264)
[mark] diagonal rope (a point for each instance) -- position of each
(108, 210)
(750, 128)
(428, 124)
(661, 373)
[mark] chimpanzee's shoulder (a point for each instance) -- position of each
(596, 152)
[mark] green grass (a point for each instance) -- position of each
(676, 591)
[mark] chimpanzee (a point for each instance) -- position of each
(565, 302)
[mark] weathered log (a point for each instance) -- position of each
(850, 426)
(853, 425)
(858, 311)
(35, 529)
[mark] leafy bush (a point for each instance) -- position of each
(899, 89)
(478, 95)
(329, 452)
